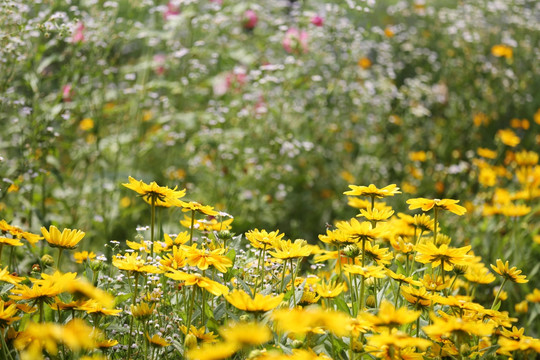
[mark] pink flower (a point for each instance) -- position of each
(295, 41)
(78, 34)
(172, 10)
(219, 2)
(233, 80)
(317, 20)
(67, 92)
(250, 19)
(159, 61)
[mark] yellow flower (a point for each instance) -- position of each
(67, 239)
(260, 303)
(86, 124)
(330, 290)
(388, 316)
(201, 281)
(429, 253)
(479, 274)
(82, 256)
(132, 262)
(290, 250)
(366, 204)
(200, 333)
(397, 339)
(359, 231)
(7, 277)
(337, 237)
(211, 224)
(402, 279)
(513, 210)
(376, 214)
(417, 297)
(373, 191)
(10, 242)
(512, 274)
(311, 319)
(157, 341)
(160, 195)
(382, 256)
(418, 156)
(174, 261)
(7, 314)
(522, 307)
(195, 206)
(218, 351)
(502, 50)
(95, 307)
(445, 327)
(364, 63)
(508, 137)
(261, 238)
(444, 204)
(246, 333)
(142, 310)
(486, 153)
(524, 344)
(202, 258)
(366, 271)
(526, 158)
(534, 297)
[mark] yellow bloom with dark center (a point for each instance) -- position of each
(337, 237)
(67, 239)
(159, 195)
(260, 303)
(132, 262)
(397, 339)
(508, 137)
(157, 341)
(388, 316)
(359, 231)
(245, 334)
(286, 249)
(417, 297)
(261, 238)
(211, 224)
(376, 214)
(7, 314)
(329, 290)
(445, 327)
(430, 253)
(83, 256)
(197, 207)
(459, 302)
(373, 191)
(524, 344)
(43, 289)
(142, 310)
(512, 274)
(382, 256)
(514, 334)
(203, 282)
(203, 258)
(402, 279)
(423, 222)
(217, 351)
(366, 271)
(7, 277)
(311, 319)
(444, 204)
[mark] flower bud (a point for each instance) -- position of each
(370, 301)
(46, 260)
(190, 341)
(297, 344)
(352, 250)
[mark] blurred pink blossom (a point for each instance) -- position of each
(172, 10)
(250, 19)
(219, 2)
(159, 61)
(67, 92)
(233, 80)
(295, 41)
(78, 33)
(317, 20)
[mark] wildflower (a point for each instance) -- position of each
(512, 274)
(502, 50)
(174, 261)
(317, 20)
(203, 258)
(526, 158)
(418, 156)
(366, 204)
(142, 310)
(7, 314)
(295, 41)
(445, 327)
(83, 256)
(364, 63)
(330, 290)
(486, 153)
(434, 283)
(67, 239)
(259, 303)
(396, 339)
(197, 207)
(132, 262)
(479, 275)
(337, 238)
(429, 253)
(382, 256)
(86, 124)
(246, 333)
(376, 215)
(157, 341)
(217, 351)
(373, 191)
(444, 204)
(311, 320)
(359, 231)
(418, 297)
(9, 278)
(211, 224)
(524, 344)
(203, 282)
(10, 242)
(402, 279)
(250, 19)
(522, 307)
(261, 238)
(513, 210)
(78, 33)
(366, 271)
(508, 137)
(534, 297)
(156, 195)
(290, 250)
(200, 333)
(95, 307)
(173, 9)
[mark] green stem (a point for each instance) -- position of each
(418, 327)
(362, 290)
(190, 311)
(292, 284)
(152, 224)
(435, 215)
(498, 294)
(283, 275)
(59, 258)
(191, 227)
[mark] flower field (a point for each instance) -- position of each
(216, 179)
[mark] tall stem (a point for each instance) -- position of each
(498, 294)
(59, 258)
(435, 227)
(283, 275)
(191, 227)
(152, 224)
